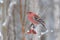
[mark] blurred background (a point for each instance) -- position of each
(14, 22)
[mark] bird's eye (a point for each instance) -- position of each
(29, 12)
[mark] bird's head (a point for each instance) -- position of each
(29, 12)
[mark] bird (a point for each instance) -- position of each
(34, 19)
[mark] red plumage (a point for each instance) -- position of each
(34, 19)
(31, 16)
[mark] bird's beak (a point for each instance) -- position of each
(27, 12)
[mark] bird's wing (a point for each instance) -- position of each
(39, 20)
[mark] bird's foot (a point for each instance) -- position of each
(31, 31)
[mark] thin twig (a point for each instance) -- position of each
(23, 23)
(21, 11)
(14, 25)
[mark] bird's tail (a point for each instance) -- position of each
(42, 23)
